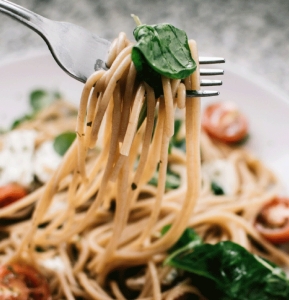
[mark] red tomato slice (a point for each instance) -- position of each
(223, 121)
(11, 193)
(273, 221)
(22, 282)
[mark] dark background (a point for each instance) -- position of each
(251, 35)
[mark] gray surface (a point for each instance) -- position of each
(251, 34)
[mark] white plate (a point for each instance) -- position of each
(264, 105)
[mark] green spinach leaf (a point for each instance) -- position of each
(231, 272)
(161, 50)
(40, 99)
(173, 179)
(188, 240)
(63, 141)
(217, 190)
(176, 141)
(19, 121)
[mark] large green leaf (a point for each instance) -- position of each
(63, 141)
(161, 50)
(227, 271)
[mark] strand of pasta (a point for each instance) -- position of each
(161, 180)
(80, 127)
(67, 265)
(144, 155)
(93, 292)
(108, 94)
(119, 223)
(82, 257)
(51, 187)
(154, 280)
(123, 214)
(193, 162)
(65, 286)
(154, 151)
(169, 104)
(121, 42)
(112, 53)
(105, 178)
(181, 290)
(71, 209)
(116, 291)
(131, 129)
(116, 124)
(127, 100)
(84, 191)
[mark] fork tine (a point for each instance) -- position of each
(206, 82)
(201, 93)
(209, 72)
(190, 93)
(211, 60)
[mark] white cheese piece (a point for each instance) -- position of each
(16, 157)
(223, 173)
(54, 263)
(46, 160)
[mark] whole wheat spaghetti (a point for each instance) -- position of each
(107, 237)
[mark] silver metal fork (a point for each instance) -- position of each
(79, 52)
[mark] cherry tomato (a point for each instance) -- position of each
(223, 121)
(19, 281)
(11, 193)
(273, 221)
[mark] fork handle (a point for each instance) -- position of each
(23, 15)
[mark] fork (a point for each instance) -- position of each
(79, 52)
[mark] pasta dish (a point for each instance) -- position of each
(150, 198)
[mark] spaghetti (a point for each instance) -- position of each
(105, 241)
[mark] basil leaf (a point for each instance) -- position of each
(188, 240)
(232, 273)
(19, 121)
(217, 190)
(173, 180)
(177, 126)
(176, 141)
(63, 141)
(161, 50)
(40, 99)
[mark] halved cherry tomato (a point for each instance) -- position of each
(273, 221)
(224, 121)
(19, 281)
(11, 193)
